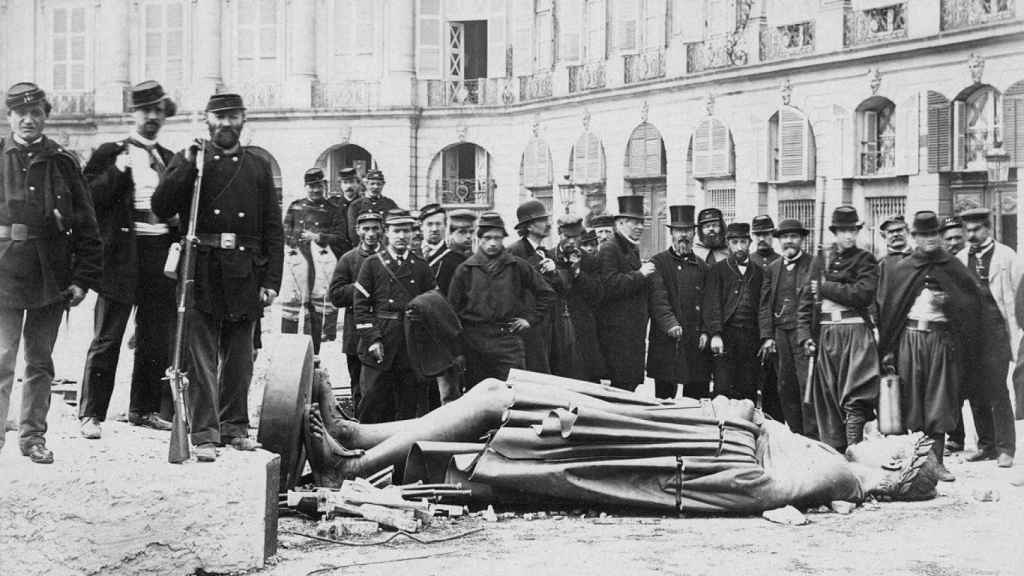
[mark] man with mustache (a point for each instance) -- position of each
(565, 359)
(373, 201)
(710, 246)
(343, 290)
(533, 226)
(349, 192)
(762, 228)
(730, 316)
(122, 176)
(603, 226)
(50, 255)
(952, 231)
(785, 281)
(239, 263)
(678, 351)
(456, 246)
(928, 325)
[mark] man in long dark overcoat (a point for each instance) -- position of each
(533, 226)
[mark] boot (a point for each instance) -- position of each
(939, 449)
(854, 429)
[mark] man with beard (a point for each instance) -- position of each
(762, 228)
(239, 262)
(622, 320)
(678, 350)
(845, 382)
(386, 283)
(894, 231)
(603, 226)
(122, 176)
(313, 228)
(927, 320)
(730, 316)
(350, 187)
(374, 201)
(995, 268)
(952, 231)
(533, 227)
(565, 360)
(343, 290)
(497, 297)
(583, 300)
(711, 245)
(785, 281)
(50, 255)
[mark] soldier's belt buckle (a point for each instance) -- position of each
(836, 316)
(228, 241)
(19, 232)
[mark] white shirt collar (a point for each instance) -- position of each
(143, 140)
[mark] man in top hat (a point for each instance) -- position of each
(122, 177)
(785, 281)
(348, 191)
(927, 324)
(678, 344)
(373, 201)
(762, 228)
(533, 226)
(239, 264)
(369, 227)
(583, 300)
(731, 304)
(995, 268)
(845, 381)
(603, 226)
(710, 245)
(565, 359)
(497, 297)
(50, 256)
(952, 231)
(387, 281)
(622, 320)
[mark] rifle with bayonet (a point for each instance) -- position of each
(176, 376)
(817, 275)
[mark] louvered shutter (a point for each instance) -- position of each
(496, 67)
(721, 149)
(1013, 125)
(570, 18)
(595, 160)
(939, 133)
(528, 166)
(908, 136)
(522, 49)
(959, 130)
(702, 150)
(483, 173)
(869, 143)
(653, 160)
(430, 40)
(636, 152)
(849, 142)
(579, 161)
(793, 146)
(626, 25)
(655, 17)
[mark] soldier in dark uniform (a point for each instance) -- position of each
(238, 270)
(433, 221)
(731, 305)
(952, 232)
(845, 383)
(785, 281)
(457, 247)
(762, 228)
(622, 319)
(496, 296)
(533, 227)
(584, 301)
(374, 201)
(50, 256)
(350, 187)
(386, 283)
(343, 289)
(678, 343)
(710, 245)
(313, 224)
(122, 177)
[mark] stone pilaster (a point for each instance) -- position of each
(209, 39)
(114, 57)
(298, 91)
(400, 30)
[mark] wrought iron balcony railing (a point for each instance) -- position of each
(465, 192)
(965, 13)
(346, 94)
(778, 42)
(72, 102)
(535, 86)
(644, 66)
(588, 76)
(474, 92)
(876, 25)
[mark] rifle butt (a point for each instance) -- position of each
(810, 380)
(179, 450)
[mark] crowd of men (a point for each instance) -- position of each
(437, 300)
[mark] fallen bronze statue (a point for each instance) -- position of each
(539, 436)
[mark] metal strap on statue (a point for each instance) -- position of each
(680, 468)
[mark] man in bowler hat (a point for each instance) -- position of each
(533, 226)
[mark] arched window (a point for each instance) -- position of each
(460, 176)
(586, 163)
(712, 150)
(977, 128)
(791, 148)
(535, 172)
(645, 153)
(876, 137)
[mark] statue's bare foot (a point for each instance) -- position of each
(330, 461)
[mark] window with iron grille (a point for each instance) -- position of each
(878, 209)
(722, 195)
(878, 139)
(802, 210)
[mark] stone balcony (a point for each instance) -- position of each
(714, 53)
(966, 13)
(588, 76)
(875, 25)
(648, 65)
(789, 41)
(535, 86)
(474, 92)
(346, 95)
(464, 192)
(72, 102)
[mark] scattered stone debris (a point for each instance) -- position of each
(842, 507)
(788, 516)
(987, 495)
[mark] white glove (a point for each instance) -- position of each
(122, 162)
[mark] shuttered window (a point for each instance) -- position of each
(257, 40)
(570, 20)
(645, 156)
(497, 66)
(69, 48)
(655, 18)
(164, 42)
(796, 146)
(543, 52)
(587, 160)
(940, 132)
(429, 37)
(522, 42)
(712, 150)
(596, 46)
(626, 14)
(1013, 124)
(537, 165)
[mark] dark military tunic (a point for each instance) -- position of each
(378, 204)
(318, 216)
(584, 301)
(442, 265)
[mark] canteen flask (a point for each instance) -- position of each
(173, 257)
(890, 417)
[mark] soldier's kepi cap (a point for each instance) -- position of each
(709, 215)
(399, 217)
(24, 94)
(490, 220)
(348, 173)
(224, 102)
(762, 224)
(892, 220)
(951, 222)
(368, 216)
(430, 210)
(151, 93)
(313, 175)
(375, 175)
(737, 230)
(976, 215)
(462, 217)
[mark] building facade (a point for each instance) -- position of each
(753, 106)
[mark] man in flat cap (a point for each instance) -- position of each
(995, 268)
(497, 297)
(387, 281)
(894, 231)
(845, 382)
(584, 300)
(731, 305)
(603, 226)
(678, 351)
(622, 320)
(785, 281)
(533, 226)
(952, 232)
(122, 177)
(710, 245)
(348, 191)
(239, 261)
(927, 325)
(369, 228)
(458, 246)
(373, 201)
(50, 256)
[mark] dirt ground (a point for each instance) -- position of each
(954, 534)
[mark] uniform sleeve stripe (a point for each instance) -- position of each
(363, 326)
(362, 290)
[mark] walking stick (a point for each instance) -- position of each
(817, 274)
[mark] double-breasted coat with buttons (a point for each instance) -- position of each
(343, 291)
(676, 297)
(237, 196)
(622, 320)
(113, 196)
(42, 188)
